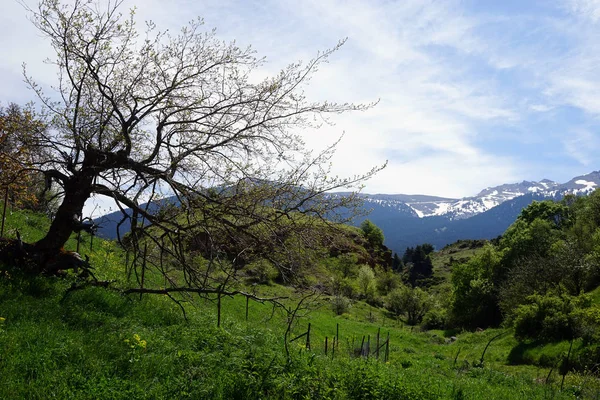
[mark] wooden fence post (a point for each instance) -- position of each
(247, 299)
(325, 346)
(308, 337)
(362, 346)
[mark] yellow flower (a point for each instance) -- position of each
(2, 319)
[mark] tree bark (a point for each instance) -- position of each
(77, 191)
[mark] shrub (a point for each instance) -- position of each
(346, 287)
(340, 305)
(436, 318)
(550, 317)
(262, 271)
(372, 233)
(414, 302)
(388, 281)
(366, 282)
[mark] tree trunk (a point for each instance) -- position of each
(77, 191)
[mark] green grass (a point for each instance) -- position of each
(83, 345)
(99, 344)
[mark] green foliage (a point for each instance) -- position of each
(387, 280)
(373, 233)
(348, 265)
(262, 271)
(418, 264)
(557, 213)
(435, 318)
(414, 302)
(366, 282)
(340, 305)
(474, 302)
(550, 317)
(97, 343)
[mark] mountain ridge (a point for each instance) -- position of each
(411, 219)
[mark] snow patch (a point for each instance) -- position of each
(586, 183)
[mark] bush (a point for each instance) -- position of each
(340, 305)
(366, 282)
(435, 318)
(388, 281)
(550, 317)
(414, 302)
(262, 271)
(346, 287)
(372, 233)
(588, 324)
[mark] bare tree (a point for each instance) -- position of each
(139, 117)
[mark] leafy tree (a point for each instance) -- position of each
(387, 280)
(414, 302)
(475, 299)
(555, 212)
(366, 282)
(19, 128)
(177, 114)
(373, 233)
(418, 263)
(347, 265)
(550, 317)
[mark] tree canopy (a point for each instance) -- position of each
(373, 233)
(18, 154)
(140, 116)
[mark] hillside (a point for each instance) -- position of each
(100, 343)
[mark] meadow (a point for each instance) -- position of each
(59, 339)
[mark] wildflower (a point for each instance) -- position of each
(2, 319)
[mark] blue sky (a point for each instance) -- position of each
(471, 93)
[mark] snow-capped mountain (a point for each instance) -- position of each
(581, 184)
(408, 220)
(455, 209)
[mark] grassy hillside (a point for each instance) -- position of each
(97, 343)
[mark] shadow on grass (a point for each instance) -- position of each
(519, 354)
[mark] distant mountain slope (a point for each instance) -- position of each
(408, 220)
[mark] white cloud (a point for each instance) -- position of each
(585, 8)
(582, 145)
(445, 77)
